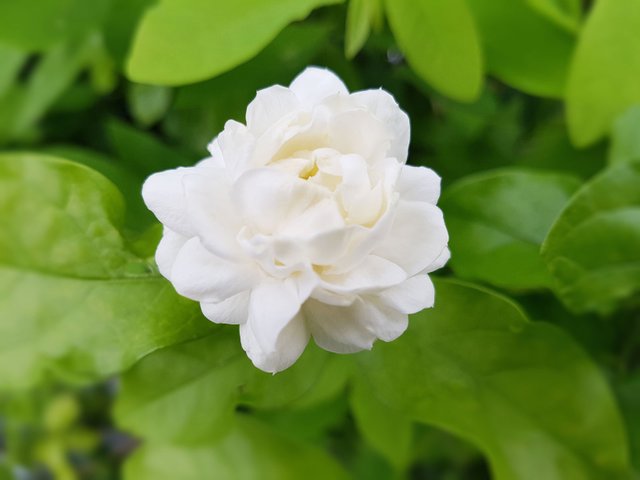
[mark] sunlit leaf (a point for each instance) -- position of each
(76, 303)
(440, 41)
(523, 48)
(604, 73)
(201, 39)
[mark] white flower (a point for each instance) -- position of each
(305, 222)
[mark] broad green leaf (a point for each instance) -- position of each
(523, 392)
(440, 41)
(566, 13)
(523, 48)
(497, 221)
(196, 399)
(388, 431)
(625, 137)
(592, 249)
(38, 24)
(76, 301)
(603, 81)
(212, 374)
(361, 14)
(185, 41)
(251, 451)
(137, 215)
(148, 104)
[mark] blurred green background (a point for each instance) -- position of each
(527, 369)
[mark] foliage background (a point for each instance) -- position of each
(528, 367)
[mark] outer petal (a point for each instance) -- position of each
(234, 310)
(439, 262)
(236, 144)
(200, 275)
(385, 108)
(291, 342)
(211, 213)
(274, 303)
(339, 329)
(411, 296)
(315, 84)
(417, 238)
(269, 106)
(168, 250)
(386, 323)
(164, 195)
(419, 184)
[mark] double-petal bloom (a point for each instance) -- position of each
(305, 222)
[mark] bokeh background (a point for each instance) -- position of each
(528, 368)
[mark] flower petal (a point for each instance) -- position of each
(386, 323)
(373, 273)
(269, 106)
(385, 108)
(315, 84)
(419, 184)
(417, 237)
(411, 296)
(273, 304)
(163, 193)
(233, 311)
(200, 275)
(291, 343)
(339, 329)
(212, 213)
(167, 251)
(267, 198)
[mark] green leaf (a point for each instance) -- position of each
(196, 399)
(497, 221)
(625, 137)
(185, 41)
(523, 48)
(565, 13)
(360, 16)
(592, 249)
(440, 42)
(137, 215)
(388, 431)
(76, 301)
(38, 24)
(251, 451)
(148, 104)
(213, 374)
(523, 392)
(603, 81)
